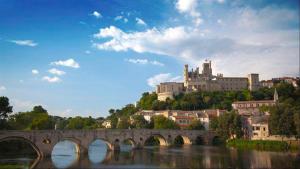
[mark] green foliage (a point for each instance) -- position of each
(139, 122)
(37, 119)
(196, 125)
(258, 144)
(5, 108)
(147, 100)
(202, 100)
(161, 122)
(281, 120)
(123, 123)
(125, 112)
(41, 122)
(81, 123)
(228, 125)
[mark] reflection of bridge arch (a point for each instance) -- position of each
(108, 144)
(75, 141)
(34, 147)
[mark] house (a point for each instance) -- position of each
(107, 124)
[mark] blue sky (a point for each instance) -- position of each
(85, 57)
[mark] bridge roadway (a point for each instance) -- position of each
(43, 141)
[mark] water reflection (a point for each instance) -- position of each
(171, 157)
(64, 154)
(97, 151)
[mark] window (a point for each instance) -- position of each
(264, 129)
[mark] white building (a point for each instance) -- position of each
(107, 124)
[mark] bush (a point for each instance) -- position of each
(258, 144)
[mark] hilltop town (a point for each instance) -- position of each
(234, 107)
(254, 111)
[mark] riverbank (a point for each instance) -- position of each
(262, 145)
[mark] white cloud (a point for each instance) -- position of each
(144, 62)
(118, 17)
(68, 63)
(56, 72)
(34, 71)
(139, 21)
(163, 77)
(190, 7)
(157, 63)
(97, 14)
(265, 42)
(2, 88)
(24, 42)
(221, 1)
(54, 79)
(138, 61)
(219, 21)
(87, 52)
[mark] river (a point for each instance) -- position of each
(64, 156)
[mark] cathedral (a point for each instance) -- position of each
(196, 80)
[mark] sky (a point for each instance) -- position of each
(83, 57)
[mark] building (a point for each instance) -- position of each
(107, 124)
(248, 108)
(184, 118)
(256, 127)
(168, 90)
(196, 80)
(267, 83)
(272, 82)
(290, 80)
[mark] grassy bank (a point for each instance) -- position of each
(259, 144)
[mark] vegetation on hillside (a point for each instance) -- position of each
(284, 117)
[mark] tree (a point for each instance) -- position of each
(213, 124)
(139, 122)
(228, 125)
(146, 101)
(161, 122)
(5, 108)
(42, 122)
(123, 123)
(282, 119)
(75, 123)
(39, 109)
(196, 125)
(297, 123)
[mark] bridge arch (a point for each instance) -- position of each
(35, 148)
(162, 140)
(200, 140)
(182, 138)
(130, 140)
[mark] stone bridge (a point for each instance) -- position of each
(43, 141)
